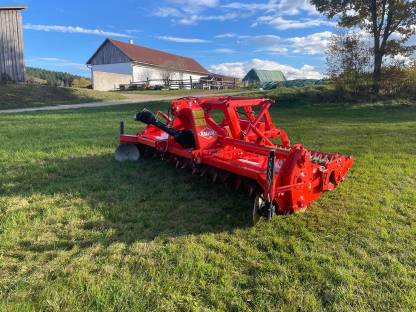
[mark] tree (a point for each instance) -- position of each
(35, 80)
(171, 70)
(347, 60)
(167, 72)
(390, 23)
(81, 82)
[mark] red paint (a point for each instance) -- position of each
(241, 143)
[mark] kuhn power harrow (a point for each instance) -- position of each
(232, 139)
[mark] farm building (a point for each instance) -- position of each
(117, 63)
(260, 76)
(220, 81)
(12, 66)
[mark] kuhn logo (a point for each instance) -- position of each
(207, 132)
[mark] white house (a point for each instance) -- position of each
(117, 62)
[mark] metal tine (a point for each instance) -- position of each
(214, 175)
(224, 177)
(203, 171)
(238, 182)
(170, 159)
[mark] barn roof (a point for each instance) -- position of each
(13, 7)
(265, 75)
(150, 56)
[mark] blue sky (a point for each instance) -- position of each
(225, 36)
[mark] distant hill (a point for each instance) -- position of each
(54, 78)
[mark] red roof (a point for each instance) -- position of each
(155, 57)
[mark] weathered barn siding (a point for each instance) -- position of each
(12, 65)
(108, 54)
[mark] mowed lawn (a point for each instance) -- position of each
(80, 232)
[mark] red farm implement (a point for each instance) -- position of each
(232, 140)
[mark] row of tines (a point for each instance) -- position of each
(233, 181)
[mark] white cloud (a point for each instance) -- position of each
(194, 6)
(401, 59)
(52, 59)
(279, 7)
(269, 6)
(181, 40)
(57, 62)
(275, 49)
(74, 30)
(312, 44)
(167, 12)
(284, 24)
(133, 31)
(224, 50)
(239, 69)
(194, 19)
(189, 12)
(226, 35)
(261, 39)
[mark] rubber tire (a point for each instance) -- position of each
(255, 213)
(127, 152)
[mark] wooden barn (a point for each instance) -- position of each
(118, 63)
(12, 66)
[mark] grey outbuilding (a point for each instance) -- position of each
(12, 65)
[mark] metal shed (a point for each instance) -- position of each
(260, 76)
(12, 66)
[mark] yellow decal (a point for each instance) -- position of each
(199, 118)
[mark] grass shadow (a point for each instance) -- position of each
(125, 202)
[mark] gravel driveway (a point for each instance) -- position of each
(130, 99)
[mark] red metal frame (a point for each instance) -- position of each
(240, 144)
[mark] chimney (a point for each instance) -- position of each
(131, 41)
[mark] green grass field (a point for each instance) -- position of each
(80, 232)
(24, 96)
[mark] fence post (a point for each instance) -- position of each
(190, 79)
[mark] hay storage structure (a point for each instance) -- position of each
(12, 66)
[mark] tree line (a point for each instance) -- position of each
(56, 79)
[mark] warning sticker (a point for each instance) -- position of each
(199, 118)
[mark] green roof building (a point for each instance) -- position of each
(260, 77)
